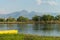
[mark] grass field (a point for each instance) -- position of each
(25, 37)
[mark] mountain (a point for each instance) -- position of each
(17, 14)
(2, 15)
(24, 13)
(21, 13)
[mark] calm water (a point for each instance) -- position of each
(35, 29)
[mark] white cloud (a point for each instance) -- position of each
(39, 2)
(52, 3)
(48, 2)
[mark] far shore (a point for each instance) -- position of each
(41, 22)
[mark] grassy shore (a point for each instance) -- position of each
(32, 22)
(26, 37)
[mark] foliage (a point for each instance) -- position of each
(47, 17)
(22, 19)
(2, 19)
(57, 17)
(10, 19)
(36, 18)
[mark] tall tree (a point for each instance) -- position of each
(57, 17)
(10, 19)
(36, 18)
(2, 19)
(22, 19)
(47, 17)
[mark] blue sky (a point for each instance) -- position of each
(8, 6)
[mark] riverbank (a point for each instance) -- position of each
(32, 22)
(26, 37)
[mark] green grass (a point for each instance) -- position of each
(26, 37)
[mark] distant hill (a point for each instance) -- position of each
(23, 13)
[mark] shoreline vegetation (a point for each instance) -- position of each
(44, 19)
(32, 22)
(26, 37)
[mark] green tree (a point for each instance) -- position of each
(22, 19)
(47, 17)
(2, 19)
(36, 18)
(26, 19)
(10, 19)
(57, 17)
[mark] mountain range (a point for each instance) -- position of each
(23, 13)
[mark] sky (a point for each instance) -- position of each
(9, 6)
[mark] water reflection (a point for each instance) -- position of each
(57, 27)
(3, 27)
(47, 27)
(36, 27)
(44, 27)
(11, 26)
(39, 29)
(22, 27)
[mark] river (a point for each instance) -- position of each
(34, 29)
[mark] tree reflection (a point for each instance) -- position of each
(2, 25)
(47, 27)
(58, 27)
(36, 27)
(44, 27)
(11, 26)
(22, 27)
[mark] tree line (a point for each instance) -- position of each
(34, 18)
